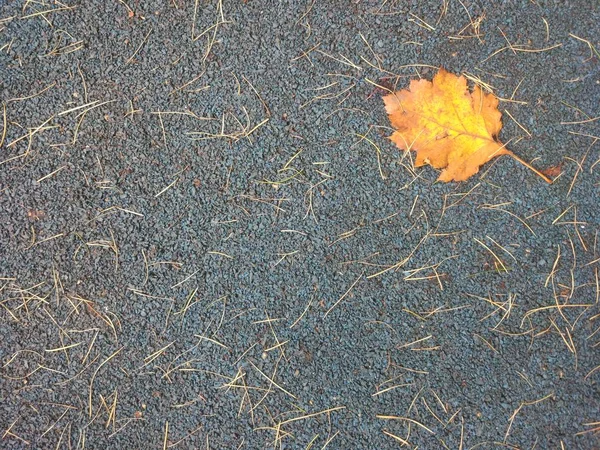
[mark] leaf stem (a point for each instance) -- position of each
(530, 167)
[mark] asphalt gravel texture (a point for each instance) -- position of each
(207, 239)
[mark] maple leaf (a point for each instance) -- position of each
(448, 126)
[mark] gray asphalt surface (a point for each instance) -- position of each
(207, 241)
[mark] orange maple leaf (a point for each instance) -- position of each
(448, 126)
